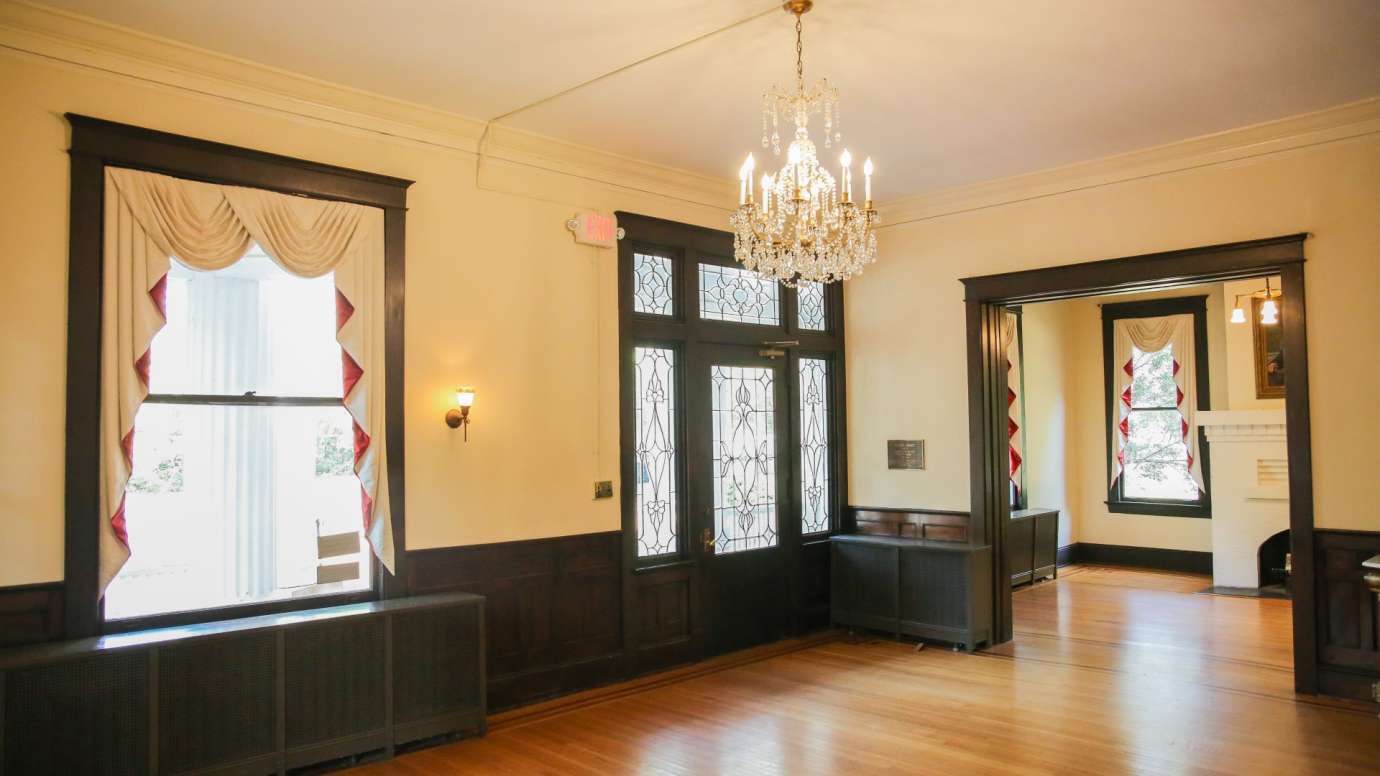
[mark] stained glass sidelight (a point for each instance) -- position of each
(653, 281)
(738, 295)
(655, 451)
(814, 445)
(810, 306)
(744, 466)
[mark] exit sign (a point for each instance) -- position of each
(593, 228)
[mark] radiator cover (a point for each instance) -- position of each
(262, 694)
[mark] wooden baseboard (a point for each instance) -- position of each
(537, 711)
(1141, 557)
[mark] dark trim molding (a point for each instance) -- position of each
(1191, 561)
(97, 144)
(985, 296)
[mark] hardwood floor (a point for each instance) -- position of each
(1111, 671)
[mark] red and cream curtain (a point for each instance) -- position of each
(1151, 335)
(1015, 435)
(151, 219)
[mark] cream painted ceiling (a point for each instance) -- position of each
(939, 92)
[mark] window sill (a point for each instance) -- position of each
(1159, 509)
(241, 611)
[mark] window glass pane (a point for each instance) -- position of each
(653, 284)
(814, 445)
(810, 306)
(225, 506)
(744, 466)
(1152, 378)
(1157, 458)
(654, 401)
(738, 295)
(248, 327)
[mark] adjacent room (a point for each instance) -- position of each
(709, 386)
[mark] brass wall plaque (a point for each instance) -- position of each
(905, 454)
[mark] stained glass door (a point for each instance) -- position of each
(743, 494)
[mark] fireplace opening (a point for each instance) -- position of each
(1274, 563)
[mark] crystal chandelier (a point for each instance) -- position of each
(806, 227)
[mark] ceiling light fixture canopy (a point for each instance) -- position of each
(807, 226)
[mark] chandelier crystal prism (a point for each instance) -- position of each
(807, 226)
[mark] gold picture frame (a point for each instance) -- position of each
(1269, 353)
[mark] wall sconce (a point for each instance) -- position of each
(464, 399)
(1269, 310)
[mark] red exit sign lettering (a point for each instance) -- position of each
(592, 228)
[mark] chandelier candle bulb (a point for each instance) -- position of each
(867, 182)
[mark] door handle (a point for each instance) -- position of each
(707, 537)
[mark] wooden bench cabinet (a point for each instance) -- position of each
(914, 587)
(1032, 545)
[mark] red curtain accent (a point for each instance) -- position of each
(117, 524)
(343, 310)
(351, 372)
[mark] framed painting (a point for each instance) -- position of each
(1269, 354)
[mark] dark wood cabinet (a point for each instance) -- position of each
(915, 587)
(1032, 545)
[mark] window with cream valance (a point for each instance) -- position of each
(152, 220)
(1157, 379)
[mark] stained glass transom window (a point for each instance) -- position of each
(810, 306)
(814, 445)
(655, 449)
(738, 295)
(744, 466)
(653, 281)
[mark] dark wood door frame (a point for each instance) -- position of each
(654, 591)
(986, 295)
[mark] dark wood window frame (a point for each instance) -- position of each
(985, 296)
(1196, 306)
(97, 144)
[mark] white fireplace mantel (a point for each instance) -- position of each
(1249, 488)
(1243, 425)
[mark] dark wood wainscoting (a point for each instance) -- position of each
(554, 610)
(30, 614)
(1348, 654)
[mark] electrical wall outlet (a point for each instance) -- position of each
(603, 489)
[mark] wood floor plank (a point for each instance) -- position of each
(1111, 671)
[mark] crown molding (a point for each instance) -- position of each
(81, 41)
(1343, 122)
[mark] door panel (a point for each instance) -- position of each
(742, 496)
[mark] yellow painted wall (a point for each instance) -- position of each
(906, 352)
(498, 295)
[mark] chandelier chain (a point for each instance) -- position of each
(799, 58)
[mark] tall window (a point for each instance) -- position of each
(243, 489)
(1157, 379)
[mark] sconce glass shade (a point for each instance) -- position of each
(464, 396)
(1238, 315)
(1269, 312)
